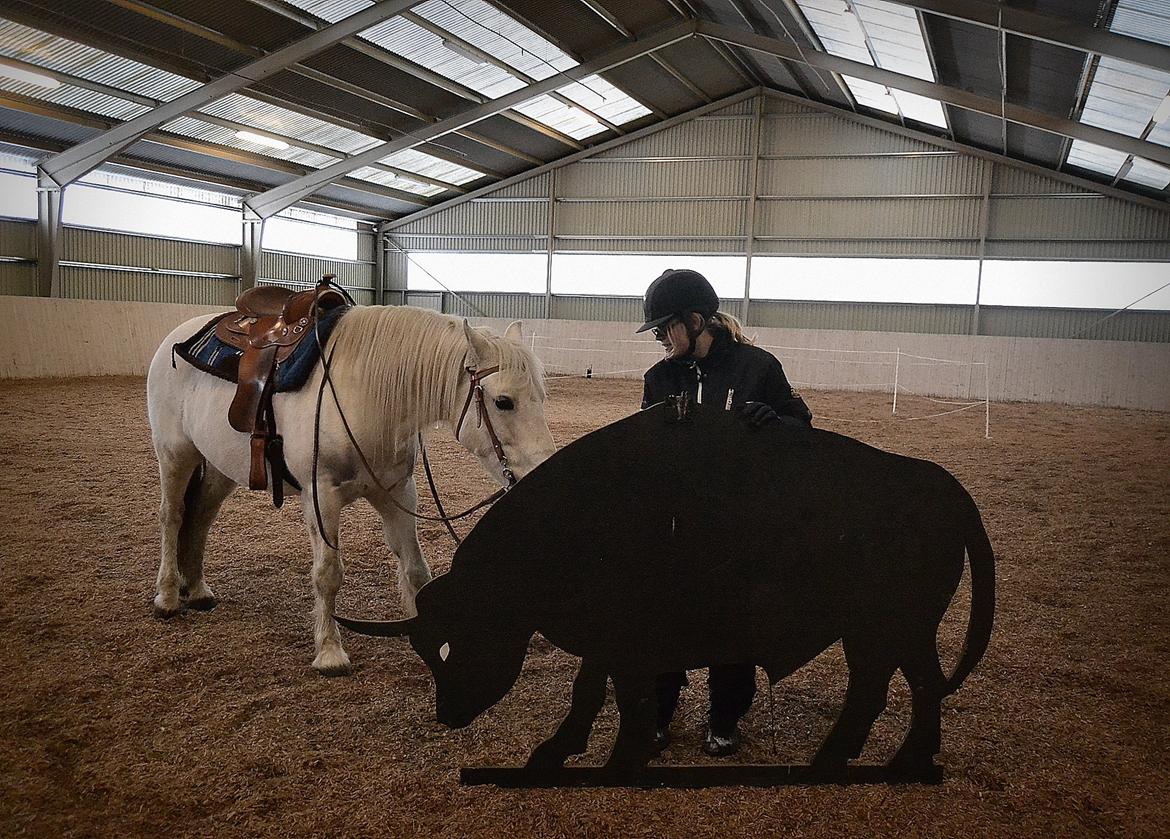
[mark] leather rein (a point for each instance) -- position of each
(474, 391)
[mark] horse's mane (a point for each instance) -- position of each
(410, 360)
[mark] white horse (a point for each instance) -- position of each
(396, 370)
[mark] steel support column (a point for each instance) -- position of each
(380, 264)
(984, 222)
(750, 212)
(552, 240)
(252, 251)
(49, 200)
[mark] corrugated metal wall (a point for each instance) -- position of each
(107, 265)
(18, 254)
(862, 317)
(1098, 324)
(826, 186)
(154, 253)
(98, 283)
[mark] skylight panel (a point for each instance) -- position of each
(1150, 174)
(883, 35)
(488, 30)
(1129, 99)
(35, 47)
(1095, 158)
(405, 184)
(422, 163)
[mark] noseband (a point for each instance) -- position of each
(482, 418)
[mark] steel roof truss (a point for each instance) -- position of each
(274, 200)
(68, 166)
(943, 93)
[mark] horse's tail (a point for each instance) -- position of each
(982, 616)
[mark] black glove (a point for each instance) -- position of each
(758, 413)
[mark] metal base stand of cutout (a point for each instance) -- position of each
(693, 777)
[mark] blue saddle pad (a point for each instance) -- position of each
(211, 355)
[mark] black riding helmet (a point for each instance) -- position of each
(675, 292)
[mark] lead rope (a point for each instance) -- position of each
(435, 491)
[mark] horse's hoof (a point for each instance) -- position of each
(332, 663)
(165, 611)
(203, 604)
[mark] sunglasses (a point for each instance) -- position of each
(659, 332)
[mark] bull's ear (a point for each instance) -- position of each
(514, 332)
(380, 629)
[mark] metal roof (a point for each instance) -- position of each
(1091, 100)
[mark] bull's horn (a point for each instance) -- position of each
(380, 629)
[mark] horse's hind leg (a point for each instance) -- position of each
(205, 494)
(927, 684)
(177, 467)
(331, 658)
(871, 664)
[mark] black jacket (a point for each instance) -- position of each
(739, 371)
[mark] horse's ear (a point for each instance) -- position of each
(479, 350)
(514, 332)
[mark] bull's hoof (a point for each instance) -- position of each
(332, 662)
(549, 757)
(203, 604)
(914, 766)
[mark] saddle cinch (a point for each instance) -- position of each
(268, 325)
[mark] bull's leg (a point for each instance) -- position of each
(870, 669)
(202, 505)
(402, 538)
(331, 659)
(924, 739)
(177, 465)
(572, 736)
(634, 746)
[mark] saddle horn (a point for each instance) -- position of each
(379, 629)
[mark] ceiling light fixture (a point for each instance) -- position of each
(462, 52)
(20, 74)
(261, 140)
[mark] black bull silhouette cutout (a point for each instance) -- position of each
(676, 539)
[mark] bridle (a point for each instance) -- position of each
(474, 391)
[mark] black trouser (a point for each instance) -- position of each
(730, 686)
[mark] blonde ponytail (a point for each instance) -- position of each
(730, 324)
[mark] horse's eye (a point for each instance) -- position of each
(505, 403)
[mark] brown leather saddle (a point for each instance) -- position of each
(268, 324)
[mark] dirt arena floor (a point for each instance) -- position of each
(113, 723)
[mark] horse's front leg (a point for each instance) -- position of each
(402, 538)
(572, 736)
(331, 659)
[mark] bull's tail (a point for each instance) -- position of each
(982, 616)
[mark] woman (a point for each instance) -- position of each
(709, 358)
